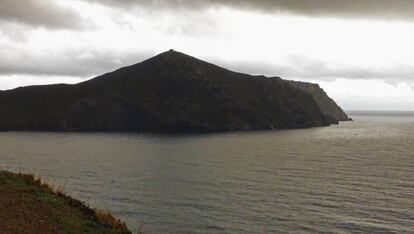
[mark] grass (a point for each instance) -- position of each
(67, 214)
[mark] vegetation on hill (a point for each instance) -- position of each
(171, 92)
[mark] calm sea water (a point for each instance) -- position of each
(357, 177)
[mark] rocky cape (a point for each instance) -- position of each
(171, 92)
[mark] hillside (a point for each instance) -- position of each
(29, 206)
(325, 103)
(171, 92)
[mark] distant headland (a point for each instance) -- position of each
(171, 92)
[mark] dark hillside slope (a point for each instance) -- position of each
(167, 93)
(325, 103)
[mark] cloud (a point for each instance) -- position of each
(13, 33)
(380, 9)
(89, 62)
(43, 13)
(57, 14)
(125, 35)
(314, 69)
(80, 62)
(14, 81)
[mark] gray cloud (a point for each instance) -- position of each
(67, 62)
(88, 61)
(380, 9)
(44, 13)
(52, 14)
(14, 33)
(91, 62)
(314, 69)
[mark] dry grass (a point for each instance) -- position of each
(34, 180)
(108, 219)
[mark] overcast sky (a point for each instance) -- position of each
(360, 52)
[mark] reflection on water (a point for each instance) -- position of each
(355, 177)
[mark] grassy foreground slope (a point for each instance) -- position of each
(29, 206)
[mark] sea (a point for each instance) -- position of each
(355, 177)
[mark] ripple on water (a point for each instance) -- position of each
(356, 177)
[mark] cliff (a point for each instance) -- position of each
(171, 92)
(330, 109)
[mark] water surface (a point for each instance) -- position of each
(357, 177)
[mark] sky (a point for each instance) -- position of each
(360, 52)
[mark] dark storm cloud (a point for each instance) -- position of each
(383, 9)
(52, 14)
(43, 13)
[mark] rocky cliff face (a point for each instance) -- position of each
(171, 92)
(331, 110)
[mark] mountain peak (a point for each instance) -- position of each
(170, 52)
(174, 55)
(178, 60)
